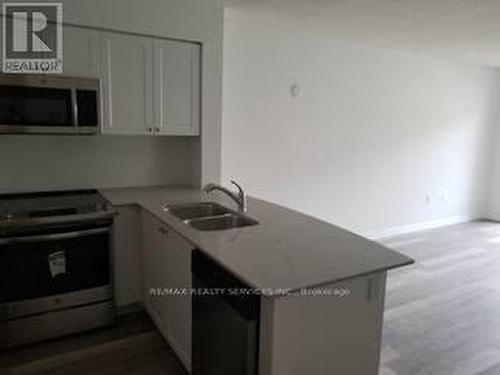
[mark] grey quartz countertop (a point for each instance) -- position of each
(287, 249)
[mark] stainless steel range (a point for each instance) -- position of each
(55, 265)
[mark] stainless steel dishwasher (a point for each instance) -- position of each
(225, 321)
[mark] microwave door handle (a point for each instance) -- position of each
(53, 237)
(74, 107)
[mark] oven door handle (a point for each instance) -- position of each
(53, 236)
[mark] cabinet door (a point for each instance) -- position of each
(167, 265)
(81, 52)
(154, 270)
(177, 87)
(179, 278)
(126, 255)
(127, 84)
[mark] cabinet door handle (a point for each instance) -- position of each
(157, 130)
(150, 130)
(163, 230)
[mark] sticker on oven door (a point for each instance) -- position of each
(57, 263)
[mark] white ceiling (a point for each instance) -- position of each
(462, 29)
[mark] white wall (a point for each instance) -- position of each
(379, 141)
(39, 163)
(493, 209)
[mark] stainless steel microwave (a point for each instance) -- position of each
(42, 104)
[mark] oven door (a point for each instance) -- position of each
(44, 271)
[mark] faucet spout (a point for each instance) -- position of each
(239, 197)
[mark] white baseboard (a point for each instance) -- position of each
(411, 228)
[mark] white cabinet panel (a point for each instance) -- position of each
(81, 52)
(150, 86)
(177, 87)
(127, 84)
(154, 269)
(166, 264)
(324, 334)
(179, 278)
(126, 256)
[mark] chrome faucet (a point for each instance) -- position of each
(240, 198)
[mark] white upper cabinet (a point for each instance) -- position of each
(81, 52)
(127, 64)
(177, 87)
(150, 86)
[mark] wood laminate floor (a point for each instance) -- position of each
(131, 347)
(442, 318)
(442, 315)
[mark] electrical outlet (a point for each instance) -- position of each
(428, 199)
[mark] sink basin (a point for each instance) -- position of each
(221, 222)
(187, 211)
(207, 216)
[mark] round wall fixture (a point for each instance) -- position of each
(295, 90)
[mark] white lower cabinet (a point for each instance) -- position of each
(166, 273)
(126, 256)
(324, 333)
(179, 277)
(155, 244)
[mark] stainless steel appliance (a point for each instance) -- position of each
(47, 104)
(55, 265)
(225, 323)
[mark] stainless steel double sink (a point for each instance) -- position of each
(209, 216)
